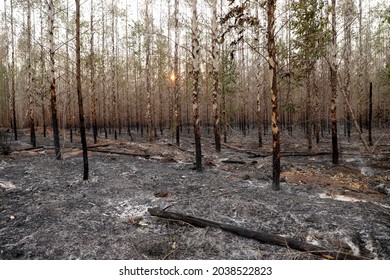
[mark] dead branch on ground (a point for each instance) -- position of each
(257, 235)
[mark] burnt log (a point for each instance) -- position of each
(119, 153)
(263, 237)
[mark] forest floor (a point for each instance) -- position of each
(48, 212)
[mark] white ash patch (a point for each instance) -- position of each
(7, 185)
(340, 197)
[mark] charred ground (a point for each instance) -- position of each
(48, 212)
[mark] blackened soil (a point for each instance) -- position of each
(48, 212)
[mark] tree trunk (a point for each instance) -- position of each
(103, 65)
(370, 117)
(176, 74)
(13, 88)
(92, 79)
(333, 83)
(195, 92)
(271, 7)
(215, 55)
(128, 102)
(79, 94)
(259, 84)
(43, 77)
(53, 95)
(361, 67)
(114, 111)
(30, 89)
(348, 20)
(148, 86)
(309, 115)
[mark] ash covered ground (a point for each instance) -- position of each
(48, 212)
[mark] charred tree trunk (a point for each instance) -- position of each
(259, 82)
(195, 92)
(13, 89)
(43, 78)
(215, 55)
(176, 75)
(79, 94)
(30, 80)
(104, 78)
(370, 117)
(92, 79)
(271, 7)
(53, 95)
(309, 115)
(114, 107)
(333, 83)
(147, 75)
(348, 20)
(70, 116)
(128, 113)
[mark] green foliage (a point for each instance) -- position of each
(309, 23)
(228, 76)
(289, 106)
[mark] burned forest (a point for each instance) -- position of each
(195, 130)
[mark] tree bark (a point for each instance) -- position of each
(114, 107)
(333, 83)
(272, 63)
(176, 74)
(79, 94)
(195, 92)
(263, 237)
(53, 95)
(43, 77)
(30, 89)
(215, 55)
(92, 78)
(259, 84)
(13, 86)
(370, 116)
(103, 65)
(148, 74)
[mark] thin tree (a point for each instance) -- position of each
(128, 120)
(113, 73)
(370, 116)
(259, 85)
(148, 85)
(103, 71)
(30, 89)
(79, 94)
(43, 76)
(175, 76)
(7, 113)
(272, 63)
(195, 93)
(215, 74)
(92, 78)
(53, 95)
(13, 88)
(361, 66)
(348, 19)
(333, 83)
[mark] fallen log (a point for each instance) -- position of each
(263, 237)
(119, 153)
(233, 161)
(30, 149)
(292, 154)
